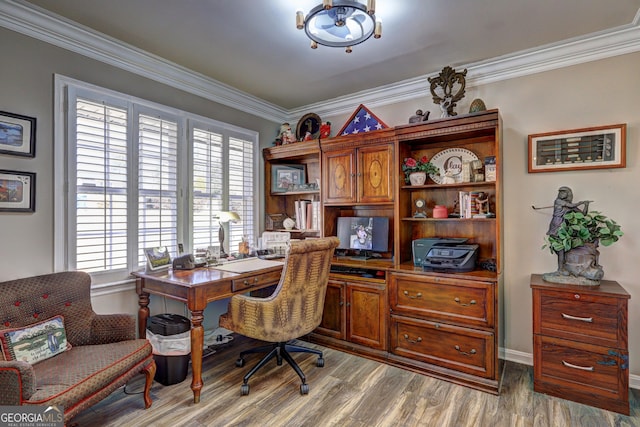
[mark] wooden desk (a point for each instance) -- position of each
(196, 288)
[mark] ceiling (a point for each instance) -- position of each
(254, 46)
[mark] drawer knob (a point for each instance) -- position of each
(417, 340)
(473, 351)
(576, 296)
(582, 319)
(582, 368)
(472, 302)
(418, 295)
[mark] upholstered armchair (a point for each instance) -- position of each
(292, 311)
(57, 351)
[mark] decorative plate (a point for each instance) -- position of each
(308, 123)
(450, 160)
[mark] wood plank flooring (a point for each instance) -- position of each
(347, 391)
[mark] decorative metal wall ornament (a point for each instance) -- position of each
(447, 89)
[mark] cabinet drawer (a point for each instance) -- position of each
(246, 283)
(582, 317)
(461, 301)
(583, 372)
(464, 350)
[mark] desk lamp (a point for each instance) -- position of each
(223, 217)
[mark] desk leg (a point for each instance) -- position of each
(197, 342)
(143, 311)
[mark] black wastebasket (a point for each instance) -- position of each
(171, 369)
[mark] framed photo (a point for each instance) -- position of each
(158, 258)
(17, 135)
(601, 147)
(284, 177)
(17, 191)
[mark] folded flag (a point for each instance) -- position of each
(362, 120)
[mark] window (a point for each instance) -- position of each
(136, 179)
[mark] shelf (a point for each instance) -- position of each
(448, 219)
(457, 185)
(296, 193)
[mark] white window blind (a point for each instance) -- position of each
(223, 180)
(157, 184)
(208, 186)
(136, 180)
(100, 187)
(241, 189)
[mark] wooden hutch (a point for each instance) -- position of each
(447, 325)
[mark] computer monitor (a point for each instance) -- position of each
(363, 234)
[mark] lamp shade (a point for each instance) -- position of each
(226, 216)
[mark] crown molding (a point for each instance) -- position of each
(38, 23)
(600, 45)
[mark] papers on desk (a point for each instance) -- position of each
(247, 265)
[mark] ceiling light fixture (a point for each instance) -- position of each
(340, 23)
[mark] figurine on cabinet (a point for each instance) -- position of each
(325, 130)
(286, 134)
(419, 117)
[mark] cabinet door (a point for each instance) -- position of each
(375, 174)
(366, 317)
(333, 317)
(339, 176)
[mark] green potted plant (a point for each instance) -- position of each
(416, 170)
(578, 229)
(576, 241)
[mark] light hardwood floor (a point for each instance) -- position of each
(347, 391)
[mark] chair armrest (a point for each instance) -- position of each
(17, 382)
(108, 328)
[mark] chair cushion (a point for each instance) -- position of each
(36, 342)
(76, 376)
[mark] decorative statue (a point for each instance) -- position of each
(447, 89)
(325, 129)
(581, 232)
(286, 134)
(419, 117)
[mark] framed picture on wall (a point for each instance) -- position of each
(17, 191)
(602, 147)
(17, 135)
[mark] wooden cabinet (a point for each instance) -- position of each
(580, 344)
(355, 312)
(358, 175)
(447, 326)
(441, 323)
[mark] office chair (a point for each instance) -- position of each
(293, 310)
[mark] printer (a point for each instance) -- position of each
(445, 254)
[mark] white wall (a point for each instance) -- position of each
(597, 93)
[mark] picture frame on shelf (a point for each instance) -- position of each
(601, 147)
(285, 177)
(17, 135)
(158, 258)
(275, 221)
(17, 191)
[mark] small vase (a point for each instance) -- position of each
(417, 178)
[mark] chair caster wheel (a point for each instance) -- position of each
(240, 362)
(244, 389)
(320, 362)
(304, 389)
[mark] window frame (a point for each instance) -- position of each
(64, 229)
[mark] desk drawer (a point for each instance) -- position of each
(243, 284)
(462, 349)
(462, 301)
